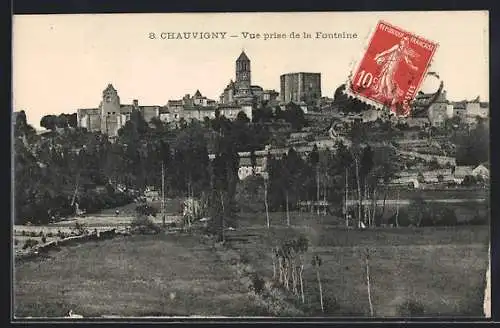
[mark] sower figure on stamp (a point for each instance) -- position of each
(387, 87)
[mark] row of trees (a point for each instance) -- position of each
(292, 114)
(51, 122)
(56, 171)
(358, 171)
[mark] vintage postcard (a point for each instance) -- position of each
(251, 165)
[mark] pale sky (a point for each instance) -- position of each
(64, 62)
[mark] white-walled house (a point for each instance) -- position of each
(245, 168)
(482, 170)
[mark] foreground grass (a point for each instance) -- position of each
(439, 269)
(135, 276)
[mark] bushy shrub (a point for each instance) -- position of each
(50, 234)
(444, 216)
(331, 305)
(434, 164)
(80, 228)
(469, 180)
(33, 234)
(479, 220)
(61, 234)
(23, 233)
(415, 214)
(30, 243)
(257, 283)
(144, 225)
(421, 213)
(146, 210)
(16, 242)
(411, 308)
(44, 239)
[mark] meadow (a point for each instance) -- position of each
(440, 270)
(160, 275)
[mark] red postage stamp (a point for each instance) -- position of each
(392, 68)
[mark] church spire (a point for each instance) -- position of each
(243, 56)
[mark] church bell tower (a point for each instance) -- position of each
(243, 80)
(110, 109)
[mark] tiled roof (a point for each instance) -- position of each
(245, 161)
(200, 108)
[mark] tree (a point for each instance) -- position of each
(21, 127)
(294, 115)
(286, 181)
(473, 147)
(262, 115)
(278, 113)
(242, 117)
(384, 169)
(220, 184)
(368, 286)
(316, 263)
(290, 261)
(253, 160)
(345, 163)
(72, 120)
(366, 166)
(269, 161)
(314, 161)
(50, 122)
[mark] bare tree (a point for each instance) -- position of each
(368, 286)
(316, 262)
(266, 203)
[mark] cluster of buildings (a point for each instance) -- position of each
(428, 109)
(454, 175)
(442, 109)
(238, 96)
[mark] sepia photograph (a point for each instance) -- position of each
(251, 165)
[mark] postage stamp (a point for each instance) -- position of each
(393, 67)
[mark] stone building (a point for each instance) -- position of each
(238, 96)
(300, 87)
(435, 108)
(241, 91)
(195, 107)
(111, 115)
(231, 111)
(270, 96)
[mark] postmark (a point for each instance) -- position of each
(392, 68)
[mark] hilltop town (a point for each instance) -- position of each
(299, 116)
(281, 193)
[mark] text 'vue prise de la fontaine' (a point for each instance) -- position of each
(250, 35)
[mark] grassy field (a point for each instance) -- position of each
(103, 220)
(440, 269)
(138, 276)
